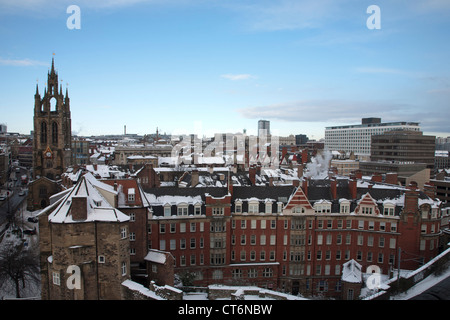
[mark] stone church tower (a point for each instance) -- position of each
(52, 130)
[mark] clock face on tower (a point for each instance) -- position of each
(48, 153)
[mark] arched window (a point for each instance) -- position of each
(54, 133)
(53, 104)
(43, 132)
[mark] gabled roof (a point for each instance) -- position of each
(98, 208)
(351, 272)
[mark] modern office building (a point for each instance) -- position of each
(404, 146)
(264, 125)
(357, 138)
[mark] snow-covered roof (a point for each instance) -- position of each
(98, 208)
(156, 256)
(351, 272)
(172, 200)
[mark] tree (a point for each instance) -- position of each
(18, 266)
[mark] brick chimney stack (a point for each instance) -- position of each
(352, 186)
(78, 208)
(252, 174)
(333, 186)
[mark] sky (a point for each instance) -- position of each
(216, 66)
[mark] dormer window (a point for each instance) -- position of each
(269, 207)
(366, 210)
(253, 207)
(182, 210)
(238, 206)
(131, 195)
(298, 210)
(388, 209)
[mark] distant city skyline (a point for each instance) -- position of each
(206, 66)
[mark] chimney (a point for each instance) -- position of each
(304, 155)
(411, 201)
(391, 178)
(352, 186)
(305, 186)
(376, 177)
(230, 184)
(333, 186)
(270, 181)
(300, 170)
(430, 190)
(194, 178)
(358, 174)
(78, 208)
(252, 174)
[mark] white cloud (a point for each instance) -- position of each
(235, 77)
(21, 62)
(351, 111)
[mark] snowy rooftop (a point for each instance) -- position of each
(98, 208)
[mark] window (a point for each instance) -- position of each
(273, 224)
(131, 195)
(123, 233)
(162, 245)
(388, 209)
(167, 211)
(393, 227)
(124, 268)
(253, 208)
(217, 211)
(360, 224)
(162, 228)
(360, 240)
(56, 278)
(236, 273)
(193, 245)
(253, 239)
(132, 217)
(262, 240)
(423, 228)
(253, 224)
(267, 272)
(193, 227)
(269, 207)
(132, 236)
(392, 243)
(197, 210)
(173, 227)
(217, 274)
(101, 259)
(263, 224)
(182, 227)
(173, 244)
(182, 210)
(238, 207)
(272, 240)
(319, 239)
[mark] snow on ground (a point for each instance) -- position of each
(422, 286)
(30, 242)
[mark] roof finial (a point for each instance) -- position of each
(53, 63)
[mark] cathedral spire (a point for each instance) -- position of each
(53, 65)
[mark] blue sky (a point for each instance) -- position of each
(206, 66)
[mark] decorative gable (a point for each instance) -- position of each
(367, 205)
(298, 203)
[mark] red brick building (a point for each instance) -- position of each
(292, 239)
